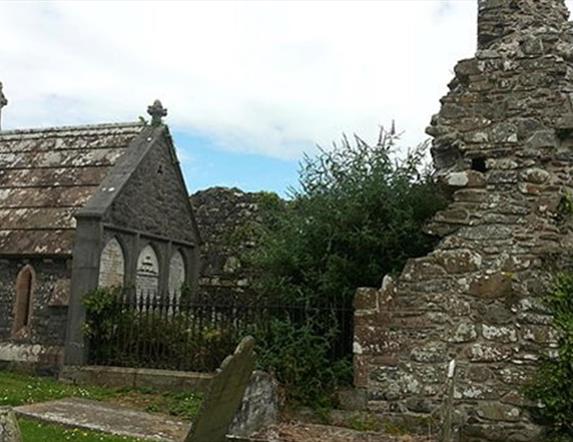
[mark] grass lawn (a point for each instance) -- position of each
(38, 432)
(18, 389)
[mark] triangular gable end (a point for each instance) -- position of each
(146, 191)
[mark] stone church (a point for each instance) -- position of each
(80, 208)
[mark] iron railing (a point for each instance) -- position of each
(168, 332)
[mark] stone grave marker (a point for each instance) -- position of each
(224, 396)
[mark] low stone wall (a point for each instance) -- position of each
(31, 358)
(119, 377)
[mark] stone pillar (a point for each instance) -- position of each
(85, 273)
(9, 429)
(498, 18)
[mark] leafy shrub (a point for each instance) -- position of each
(357, 215)
(142, 334)
(552, 386)
(101, 312)
(298, 357)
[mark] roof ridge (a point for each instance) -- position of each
(84, 127)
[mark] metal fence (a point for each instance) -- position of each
(169, 332)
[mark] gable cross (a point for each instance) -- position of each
(157, 112)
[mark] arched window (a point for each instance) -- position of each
(24, 298)
(111, 265)
(147, 277)
(176, 273)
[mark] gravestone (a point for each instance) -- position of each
(260, 407)
(9, 429)
(224, 396)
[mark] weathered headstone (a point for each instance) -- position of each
(260, 407)
(224, 396)
(9, 429)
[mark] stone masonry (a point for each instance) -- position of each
(503, 145)
(42, 345)
(9, 429)
(227, 219)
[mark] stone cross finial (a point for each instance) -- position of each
(3, 102)
(157, 112)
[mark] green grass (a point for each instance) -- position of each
(18, 389)
(38, 432)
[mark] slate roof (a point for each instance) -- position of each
(46, 175)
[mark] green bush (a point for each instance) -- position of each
(552, 386)
(298, 357)
(120, 335)
(356, 216)
(101, 312)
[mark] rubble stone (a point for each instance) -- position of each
(502, 143)
(9, 429)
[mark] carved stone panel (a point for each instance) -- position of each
(112, 265)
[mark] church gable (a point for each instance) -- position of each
(154, 199)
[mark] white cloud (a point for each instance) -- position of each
(270, 77)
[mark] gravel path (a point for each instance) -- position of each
(297, 432)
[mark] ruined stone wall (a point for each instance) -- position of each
(42, 343)
(226, 219)
(502, 143)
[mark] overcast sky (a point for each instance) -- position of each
(249, 86)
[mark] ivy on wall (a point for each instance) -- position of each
(552, 386)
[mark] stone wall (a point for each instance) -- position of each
(502, 144)
(226, 219)
(145, 378)
(154, 200)
(42, 342)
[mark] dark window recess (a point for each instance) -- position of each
(478, 164)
